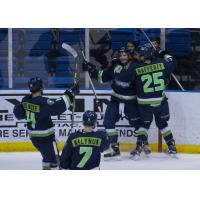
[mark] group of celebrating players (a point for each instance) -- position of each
(138, 76)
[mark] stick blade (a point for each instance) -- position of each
(69, 49)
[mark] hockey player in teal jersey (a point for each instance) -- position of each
(83, 149)
(120, 77)
(151, 77)
(37, 110)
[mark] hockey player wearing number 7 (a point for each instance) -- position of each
(83, 149)
(151, 77)
(37, 110)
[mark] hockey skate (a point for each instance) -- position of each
(146, 148)
(171, 150)
(135, 154)
(114, 154)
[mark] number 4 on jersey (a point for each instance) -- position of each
(30, 117)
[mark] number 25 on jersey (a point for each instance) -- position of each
(155, 79)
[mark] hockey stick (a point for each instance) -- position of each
(176, 80)
(56, 151)
(72, 51)
(90, 80)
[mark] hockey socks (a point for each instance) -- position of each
(168, 137)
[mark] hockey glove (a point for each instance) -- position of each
(75, 88)
(165, 55)
(19, 112)
(70, 94)
(87, 66)
(93, 72)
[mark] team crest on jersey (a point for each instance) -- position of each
(118, 69)
(50, 102)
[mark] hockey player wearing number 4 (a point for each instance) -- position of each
(37, 110)
(151, 77)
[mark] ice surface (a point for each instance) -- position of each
(32, 161)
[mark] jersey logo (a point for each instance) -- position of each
(122, 84)
(50, 102)
(118, 69)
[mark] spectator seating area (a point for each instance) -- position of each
(38, 42)
(37, 45)
(178, 41)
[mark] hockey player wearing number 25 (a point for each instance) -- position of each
(151, 75)
(37, 110)
(83, 149)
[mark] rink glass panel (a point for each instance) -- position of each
(38, 52)
(3, 58)
(183, 44)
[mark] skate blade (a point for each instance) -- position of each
(136, 157)
(147, 152)
(174, 156)
(115, 158)
(147, 155)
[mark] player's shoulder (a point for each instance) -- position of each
(75, 135)
(158, 60)
(117, 68)
(26, 98)
(132, 66)
(100, 133)
(41, 100)
(136, 64)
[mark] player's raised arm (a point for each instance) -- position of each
(19, 112)
(169, 60)
(102, 76)
(63, 103)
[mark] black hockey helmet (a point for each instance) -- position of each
(145, 51)
(124, 50)
(35, 84)
(89, 118)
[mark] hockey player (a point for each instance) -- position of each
(83, 149)
(123, 98)
(151, 80)
(37, 110)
